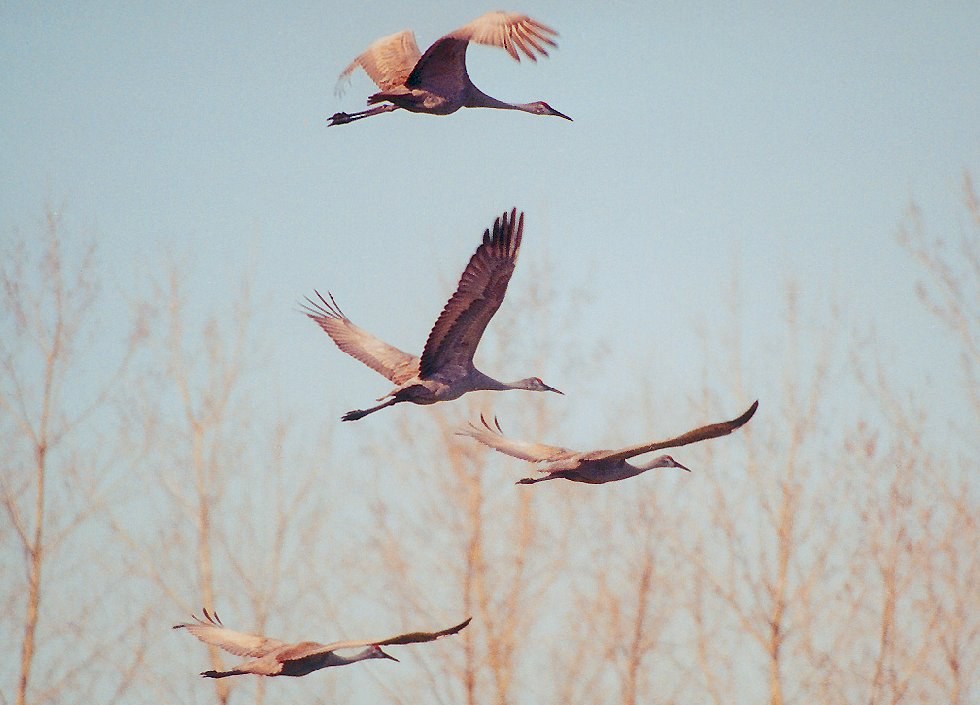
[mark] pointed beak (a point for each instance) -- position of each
(387, 655)
(682, 467)
(561, 115)
(556, 391)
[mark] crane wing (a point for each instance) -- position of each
(699, 434)
(407, 638)
(457, 332)
(511, 31)
(307, 649)
(210, 630)
(396, 365)
(388, 61)
(525, 450)
(443, 66)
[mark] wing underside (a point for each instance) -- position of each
(493, 437)
(397, 365)
(210, 630)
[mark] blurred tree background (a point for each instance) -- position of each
(827, 552)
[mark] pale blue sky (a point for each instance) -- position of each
(784, 139)
(776, 140)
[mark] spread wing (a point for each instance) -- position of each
(396, 365)
(510, 31)
(699, 434)
(311, 648)
(525, 450)
(444, 63)
(388, 61)
(457, 331)
(210, 630)
(407, 638)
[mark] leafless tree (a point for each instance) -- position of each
(236, 506)
(54, 461)
(951, 287)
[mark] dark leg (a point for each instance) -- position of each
(532, 480)
(344, 118)
(360, 414)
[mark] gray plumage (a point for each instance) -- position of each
(598, 466)
(437, 82)
(445, 370)
(271, 657)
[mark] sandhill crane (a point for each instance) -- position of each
(437, 82)
(445, 371)
(598, 466)
(270, 657)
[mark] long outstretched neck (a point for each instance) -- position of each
(484, 382)
(476, 98)
(339, 660)
(495, 386)
(661, 461)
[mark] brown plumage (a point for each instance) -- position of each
(445, 371)
(598, 466)
(271, 657)
(437, 82)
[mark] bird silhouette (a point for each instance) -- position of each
(445, 371)
(598, 466)
(271, 657)
(437, 82)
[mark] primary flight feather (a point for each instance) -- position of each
(437, 82)
(445, 370)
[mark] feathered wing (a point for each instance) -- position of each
(511, 31)
(396, 365)
(699, 434)
(525, 450)
(421, 637)
(456, 334)
(388, 61)
(211, 631)
(308, 649)
(443, 66)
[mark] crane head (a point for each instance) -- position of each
(539, 107)
(376, 652)
(665, 461)
(534, 384)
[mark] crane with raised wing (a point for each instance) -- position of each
(437, 82)
(271, 657)
(598, 466)
(445, 370)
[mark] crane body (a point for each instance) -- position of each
(271, 657)
(598, 466)
(445, 370)
(437, 82)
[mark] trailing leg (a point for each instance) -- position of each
(344, 118)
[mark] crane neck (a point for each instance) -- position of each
(475, 98)
(655, 463)
(359, 656)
